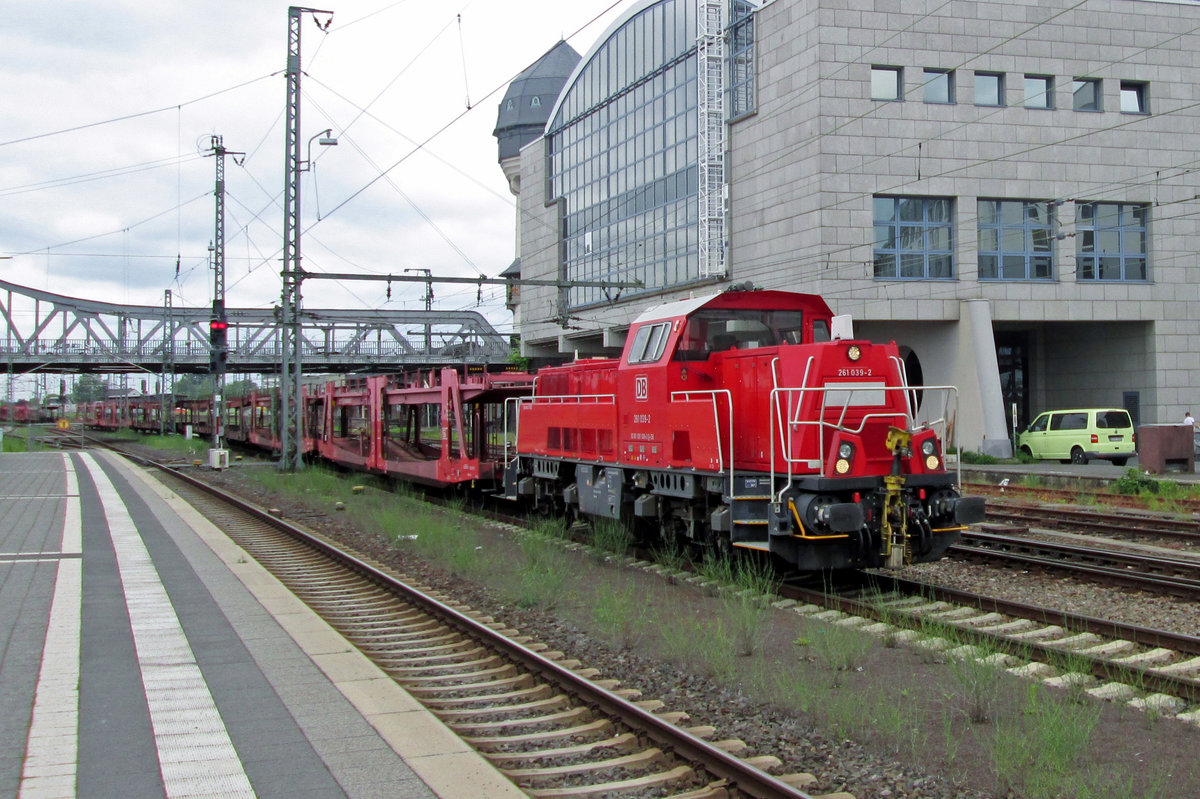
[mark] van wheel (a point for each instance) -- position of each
(1026, 451)
(1077, 456)
(1119, 461)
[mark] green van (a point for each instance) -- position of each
(1080, 435)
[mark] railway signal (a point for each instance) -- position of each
(218, 347)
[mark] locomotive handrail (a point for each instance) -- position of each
(910, 397)
(574, 399)
(533, 400)
(820, 422)
(712, 394)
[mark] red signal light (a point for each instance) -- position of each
(217, 324)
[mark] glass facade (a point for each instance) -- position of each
(623, 157)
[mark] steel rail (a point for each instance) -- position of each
(746, 778)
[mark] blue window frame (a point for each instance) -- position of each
(1135, 97)
(1039, 91)
(914, 238)
(887, 83)
(989, 88)
(1087, 94)
(1016, 240)
(939, 86)
(1112, 241)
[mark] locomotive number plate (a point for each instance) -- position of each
(855, 372)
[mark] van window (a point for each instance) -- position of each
(1039, 424)
(1112, 420)
(1068, 421)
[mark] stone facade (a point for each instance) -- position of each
(807, 166)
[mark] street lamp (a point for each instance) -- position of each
(327, 139)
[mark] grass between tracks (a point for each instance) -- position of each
(952, 710)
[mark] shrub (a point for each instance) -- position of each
(1134, 482)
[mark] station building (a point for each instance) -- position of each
(1009, 190)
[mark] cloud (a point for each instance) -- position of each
(106, 211)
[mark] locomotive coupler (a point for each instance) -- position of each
(896, 549)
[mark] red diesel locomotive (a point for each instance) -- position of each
(748, 418)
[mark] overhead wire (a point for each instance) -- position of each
(823, 257)
(136, 115)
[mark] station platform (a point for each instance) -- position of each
(1095, 472)
(143, 654)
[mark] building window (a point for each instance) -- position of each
(914, 238)
(1087, 95)
(1111, 241)
(1039, 91)
(1135, 97)
(1016, 240)
(989, 88)
(887, 83)
(939, 86)
(741, 61)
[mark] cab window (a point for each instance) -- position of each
(649, 343)
(718, 329)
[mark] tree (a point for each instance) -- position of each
(236, 388)
(89, 388)
(194, 387)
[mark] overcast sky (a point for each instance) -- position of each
(108, 113)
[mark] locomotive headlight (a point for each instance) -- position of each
(929, 451)
(854, 353)
(845, 451)
(842, 466)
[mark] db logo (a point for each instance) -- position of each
(641, 388)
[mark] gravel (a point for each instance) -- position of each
(944, 755)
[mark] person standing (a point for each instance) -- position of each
(1189, 419)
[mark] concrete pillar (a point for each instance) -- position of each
(977, 315)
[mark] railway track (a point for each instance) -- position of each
(1149, 572)
(545, 721)
(1126, 523)
(1150, 670)
(1069, 496)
